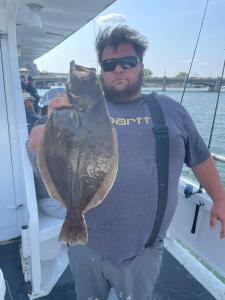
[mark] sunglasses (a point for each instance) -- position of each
(126, 62)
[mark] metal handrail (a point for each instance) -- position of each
(218, 157)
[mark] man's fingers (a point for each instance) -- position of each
(213, 221)
(222, 233)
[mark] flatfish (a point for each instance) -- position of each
(78, 154)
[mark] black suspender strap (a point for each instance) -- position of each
(160, 130)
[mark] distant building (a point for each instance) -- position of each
(29, 69)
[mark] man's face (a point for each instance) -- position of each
(121, 84)
(29, 105)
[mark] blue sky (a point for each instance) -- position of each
(171, 27)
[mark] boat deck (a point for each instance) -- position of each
(174, 282)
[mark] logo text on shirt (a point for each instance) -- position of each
(129, 121)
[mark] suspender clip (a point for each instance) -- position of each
(159, 129)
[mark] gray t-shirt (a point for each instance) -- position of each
(121, 225)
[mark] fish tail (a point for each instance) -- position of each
(74, 231)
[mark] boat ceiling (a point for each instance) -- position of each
(59, 19)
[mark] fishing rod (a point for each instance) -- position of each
(192, 60)
(189, 188)
(217, 101)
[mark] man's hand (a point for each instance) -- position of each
(218, 213)
(60, 101)
(38, 131)
(209, 178)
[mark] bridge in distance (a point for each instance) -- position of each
(46, 80)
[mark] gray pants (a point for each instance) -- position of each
(94, 276)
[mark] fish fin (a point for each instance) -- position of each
(43, 169)
(74, 231)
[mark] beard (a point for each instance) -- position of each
(131, 91)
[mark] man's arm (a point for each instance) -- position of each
(35, 138)
(38, 131)
(209, 179)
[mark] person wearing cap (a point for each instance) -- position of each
(48, 205)
(30, 88)
(23, 82)
(31, 116)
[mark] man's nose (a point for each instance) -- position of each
(118, 69)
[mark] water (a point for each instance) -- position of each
(201, 106)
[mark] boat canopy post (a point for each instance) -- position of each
(19, 205)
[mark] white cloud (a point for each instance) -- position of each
(196, 62)
(204, 63)
(188, 61)
(111, 18)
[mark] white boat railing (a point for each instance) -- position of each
(2, 286)
(201, 244)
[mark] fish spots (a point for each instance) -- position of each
(58, 135)
(74, 117)
(129, 297)
(121, 294)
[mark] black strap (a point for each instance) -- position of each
(161, 133)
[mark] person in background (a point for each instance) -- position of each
(31, 116)
(30, 88)
(47, 98)
(48, 205)
(117, 254)
(23, 82)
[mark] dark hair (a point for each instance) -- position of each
(120, 35)
(22, 77)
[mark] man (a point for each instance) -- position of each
(31, 116)
(119, 228)
(30, 88)
(23, 82)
